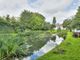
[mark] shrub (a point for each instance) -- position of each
(62, 34)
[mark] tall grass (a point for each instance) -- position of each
(11, 46)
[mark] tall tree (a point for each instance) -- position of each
(54, 20)
(36, 21)
(8, 18)
(25, 17)
(67, 24)
(32, 20)
(53, 23)
(76, 20)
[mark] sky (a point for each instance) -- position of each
(61, 9)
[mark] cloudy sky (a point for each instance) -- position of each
(62, 9)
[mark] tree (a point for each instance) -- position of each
(67, 23)
(8, 18)
(54, 20)
(47, 26)
(30, 20)
(25, 17)
(76, 20)
(37, 21)
(14, 23)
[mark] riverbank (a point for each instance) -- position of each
(68, 50)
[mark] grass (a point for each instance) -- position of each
(68, 50)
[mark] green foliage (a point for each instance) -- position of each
(73, 23)
(67, 23)
(46, 26)
(5, 27)
(21, 44)
(52, 31)
(36, 22)
(76, 21)
(25, 15)
(62, 33)
(33, 21)
(27, 20)
(11, 46)
(8, 26)
(20, 37)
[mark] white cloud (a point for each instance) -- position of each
(61, 16)
(64, 15)
(12, 7)
(58, 8)
(48, 8)
(51, 6)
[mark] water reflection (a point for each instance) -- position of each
(46, 48)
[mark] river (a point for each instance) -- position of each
(45, 49)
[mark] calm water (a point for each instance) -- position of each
(45, 49)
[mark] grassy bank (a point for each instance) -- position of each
(68, 50)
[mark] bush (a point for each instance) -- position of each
(62, 34)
